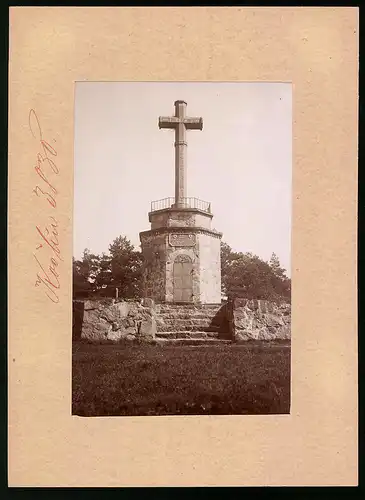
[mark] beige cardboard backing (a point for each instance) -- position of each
(317, 50)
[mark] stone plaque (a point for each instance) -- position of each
(182, 240)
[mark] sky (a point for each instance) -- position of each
(241, 162)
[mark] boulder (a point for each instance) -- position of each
(111, 321)
(258, 320)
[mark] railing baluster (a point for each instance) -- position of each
(189, 202)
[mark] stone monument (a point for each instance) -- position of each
(181, 251)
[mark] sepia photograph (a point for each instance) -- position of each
(182, 251)
(182, 248)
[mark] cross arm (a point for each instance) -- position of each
(168, 121)
(193, 123)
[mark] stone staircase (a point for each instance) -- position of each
(190, 324)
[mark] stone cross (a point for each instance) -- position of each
(180, 123)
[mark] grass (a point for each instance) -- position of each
(111, 380)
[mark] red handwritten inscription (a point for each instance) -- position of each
(47, 253)
(47, 274)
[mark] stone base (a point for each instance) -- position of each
(239, 320)
(162, 251)
(258, 320)
(107, 320)
(181, 247)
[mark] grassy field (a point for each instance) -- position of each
(111, 380)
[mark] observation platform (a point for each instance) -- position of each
(185, 203)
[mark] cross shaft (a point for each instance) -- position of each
(180, 123)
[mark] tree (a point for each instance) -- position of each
(246, 275)
(103, 280)
(243, 274)
(227, 259)
(276, 267)
(85, 272)
(99, 275)
(126, 268)
(80, 283)
(282, 282)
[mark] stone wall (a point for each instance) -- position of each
(175, 233)
(159, 253)
(203, 221)
(240, 320)
(209, 268)
(180, 218)
(154, 272)
(107, 320)
(258, 320)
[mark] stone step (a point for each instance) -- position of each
(186, 315)
(175, 327)
(190, 310)
(191, 321)
(186, 335)
(193, 342)
(187, 328)
(188, 306)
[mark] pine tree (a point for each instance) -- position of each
(275, 266)
(85, 272)
(246, 275)
(126, 268)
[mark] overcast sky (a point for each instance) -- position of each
(241, 161)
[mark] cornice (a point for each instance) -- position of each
(180, 230)
(179, 210)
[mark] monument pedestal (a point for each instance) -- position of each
(182, 257)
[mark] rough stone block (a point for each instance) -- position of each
(258, 319)
(147, 302)
(114, 322)
(123, 309)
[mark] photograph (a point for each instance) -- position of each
(181, 270)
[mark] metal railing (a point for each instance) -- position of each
(169, 202)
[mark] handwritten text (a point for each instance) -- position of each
(47, 253)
